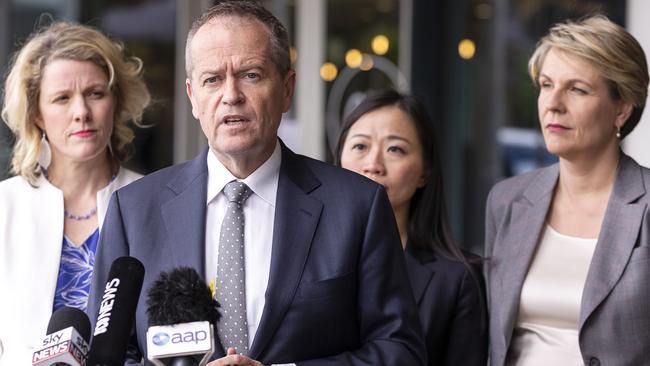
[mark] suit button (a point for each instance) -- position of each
(594, 361)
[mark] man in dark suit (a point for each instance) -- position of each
(325, 280)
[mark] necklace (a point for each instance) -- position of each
(80, 217)
(86, 216)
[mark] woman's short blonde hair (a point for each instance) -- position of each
(611, 49)
(63, 40)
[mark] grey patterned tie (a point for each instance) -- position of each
(231, 276)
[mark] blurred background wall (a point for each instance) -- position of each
(466, 60)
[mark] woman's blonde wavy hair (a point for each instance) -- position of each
(608, 47)
(64, 40)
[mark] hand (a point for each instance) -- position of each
(233, 359)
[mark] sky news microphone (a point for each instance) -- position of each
(182, 314)
(116, 313)
(66, 342)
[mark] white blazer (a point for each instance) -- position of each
(31, 237)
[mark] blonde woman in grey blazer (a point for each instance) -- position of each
(568, 246)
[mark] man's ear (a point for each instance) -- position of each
(289, 89)
(190, 95)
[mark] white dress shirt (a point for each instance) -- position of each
(259, 215)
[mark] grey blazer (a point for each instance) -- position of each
(614, 327)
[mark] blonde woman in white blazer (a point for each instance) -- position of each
(68, 98)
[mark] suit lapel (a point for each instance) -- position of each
(184, 214)
(419, 272)
(528, 218)
(617, 236)
(296, 218)
(43, 254)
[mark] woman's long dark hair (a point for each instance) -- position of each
(428, 227)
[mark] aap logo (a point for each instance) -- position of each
(161, 339)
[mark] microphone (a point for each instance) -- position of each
(182, 313)
(116, 312)
(66, 342)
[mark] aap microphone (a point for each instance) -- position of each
(182, 313)
(66, 342)
(116, 312)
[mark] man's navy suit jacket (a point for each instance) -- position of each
(338, 292)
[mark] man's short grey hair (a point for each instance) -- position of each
(245, 9)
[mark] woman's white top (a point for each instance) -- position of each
(31, 238)
(546, 331)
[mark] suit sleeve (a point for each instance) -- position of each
(112, 244)
(389, 329)
(490, 226)
(467, 338)
(490, 235)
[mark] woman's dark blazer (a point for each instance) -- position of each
(451, 307)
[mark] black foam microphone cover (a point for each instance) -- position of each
(69, 317)
(116, 312)
(181, 296)
(183, 361)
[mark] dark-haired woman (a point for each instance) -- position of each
(389, 138)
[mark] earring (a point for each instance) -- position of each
(618, 133)
(45, 155)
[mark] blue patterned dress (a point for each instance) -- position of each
(75, 273)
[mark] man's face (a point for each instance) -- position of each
(236, 91)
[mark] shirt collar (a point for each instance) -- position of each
(263, 181)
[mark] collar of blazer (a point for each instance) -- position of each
(616, 240)
(419, 271)
(628, 185)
